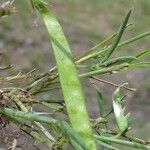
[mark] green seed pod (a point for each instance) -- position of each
(69, 79)
(115, 61)
(119, 60)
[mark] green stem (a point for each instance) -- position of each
(138, 37)
(118, 37)
(105, 70)
(122, 142)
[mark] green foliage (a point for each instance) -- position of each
(100, 100)
(122, 120)
(118, 37)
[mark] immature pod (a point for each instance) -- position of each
(121, 119)
(69, 79)
(115, 61)
(119, 60)
(118, 37)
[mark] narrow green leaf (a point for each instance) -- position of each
(103, 51)
(141, 64)
(69, 79)
(122, 142)
(54, 106)
(100, 101)
(83, 57)
(95, 48)
(118, 37)
(28, 116)
(138, 37)
(107, 145)
(143, 53)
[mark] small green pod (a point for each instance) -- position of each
(119, 60)
(115, 61)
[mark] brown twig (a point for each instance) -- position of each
(113, 84)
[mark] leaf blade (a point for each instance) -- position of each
(118, 37)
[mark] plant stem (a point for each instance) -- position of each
(104, 70)
(113, 84)
(122, 142)
(103, 51)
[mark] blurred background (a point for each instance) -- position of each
(85, 23)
